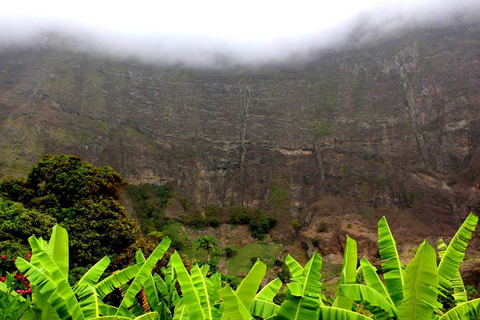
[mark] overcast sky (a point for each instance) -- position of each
(205, 32)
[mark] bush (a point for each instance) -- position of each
(238, 215)
(232, 281)
(229, 252)
(258, 228)
(295, 224)
(322, 227)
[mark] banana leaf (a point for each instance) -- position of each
(204, 288)
(420, 276)
(373, 280)
(117, 279)
(234, 308)
(62, 299)
(463, 311)
(459, 292)
(143, 275)
(248, 288)
(191, 298)
(263, 306)
(392, 267)
(330, 313)
(89, 301)
(373, 301)
(349, 273)
(299, 308)
(58, 248)
(149, 287)
(453, 256)
(295, 268)
(147, 316)
(92, 276)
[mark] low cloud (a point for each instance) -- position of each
(248, 36)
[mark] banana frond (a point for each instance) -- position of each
(116, 280)
(453, 256)
(263, 306)
(329, 313)
(144, 274)
(421, 276)
(373, 301)
(463, 311)
(349, 273)
(295, 268)
(92, 276)
(392, 267)
(247, 290)
(191, 298)
(373, 280)
(233, 305)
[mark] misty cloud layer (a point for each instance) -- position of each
(238, 36)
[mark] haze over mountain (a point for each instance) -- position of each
(215, 34)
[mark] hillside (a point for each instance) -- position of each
(391, 128)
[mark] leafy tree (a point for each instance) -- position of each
(207, 243)
(79, 196)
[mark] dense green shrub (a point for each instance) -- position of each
(259, 228)
(149, 202)
(76, 194)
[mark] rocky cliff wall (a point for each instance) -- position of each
(394, 124)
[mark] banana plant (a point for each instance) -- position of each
(422, 278)
(419, 294)
(199, 294)
(348, 274)
(245, 302)
(54, 298)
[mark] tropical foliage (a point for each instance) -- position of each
(77, 195)
(184, 292)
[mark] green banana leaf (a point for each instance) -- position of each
(459, 292)
(348, 274)
(234, 308)
(204, 289)
(392, 267)
(149, 286)
(191, 297)
(58, 248)
(299, 308)
(373, 301)
(89, 301)
(453, 257)
(303, 300)
(247, 290)
(295, 268)
(181, 312)
(62, 299)
(464, 311)
(373, 280)
(420, 276)
(117, 279)
(146, 316)
(92, 276)
(143, 275)
(332, 313)
(263, 306)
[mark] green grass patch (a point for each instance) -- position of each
(241, 263)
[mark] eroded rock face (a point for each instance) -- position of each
(390, 126)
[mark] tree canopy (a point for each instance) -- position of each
(77, 195)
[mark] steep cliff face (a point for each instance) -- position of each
(390, 125)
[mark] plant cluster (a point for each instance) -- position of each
(77, 195)
(149, 202)
(181, 292)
